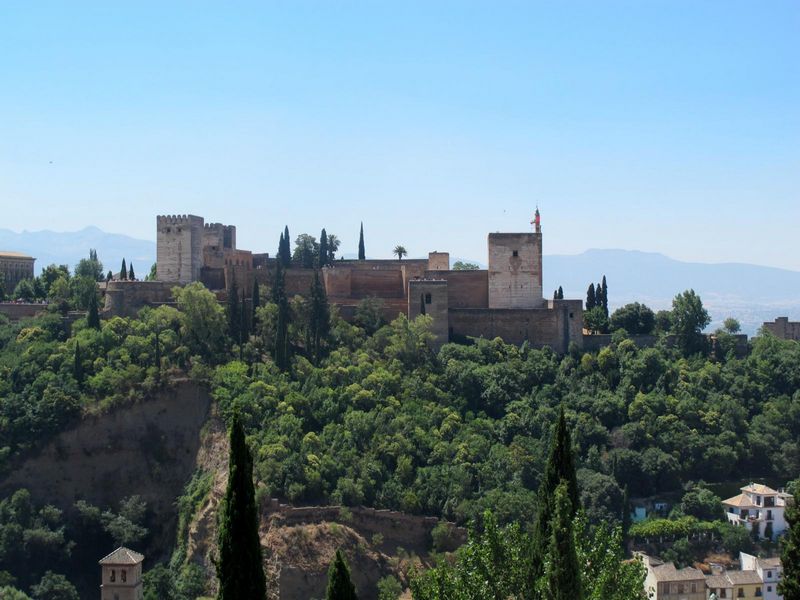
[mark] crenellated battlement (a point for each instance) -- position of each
(178, 220)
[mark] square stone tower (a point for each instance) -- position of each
(515, 270)
(122, 575)
(429, 297)
(179, 248)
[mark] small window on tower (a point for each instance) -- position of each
(428, 298)
(515, 253)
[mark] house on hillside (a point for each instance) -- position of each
(666, 582)
(769, 570)
(758, 508)
(735, 584)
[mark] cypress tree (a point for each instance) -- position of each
(789, 586)
(560, 467)
(361, 252)
(240, 568)
(282, 322)
(421, 304)
(555, 294)
(279, 254)
(320, 319)
(109, 276)
(93, 316)
(256, 301)
(77, 368)
(339, 585)
(286, 255)
(131, 274)
(591, 299)
(562, 577)
(560, 293)
(123, 271)
(233, 311)
(323, 248)
(604, 295)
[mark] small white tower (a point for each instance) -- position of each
(122, 575)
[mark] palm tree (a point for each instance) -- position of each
(400, 251)
(333, 246)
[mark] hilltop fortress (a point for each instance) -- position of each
(504, 300)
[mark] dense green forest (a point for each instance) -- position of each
(365, 413)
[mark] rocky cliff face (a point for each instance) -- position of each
(147, 448)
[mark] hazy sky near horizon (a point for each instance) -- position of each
(660, 126)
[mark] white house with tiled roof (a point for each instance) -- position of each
(758, 506)
(122, 575)
(769, 570)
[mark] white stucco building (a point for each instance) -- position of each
(769, 570)
(758, 506)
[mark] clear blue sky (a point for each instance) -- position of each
(662, 126)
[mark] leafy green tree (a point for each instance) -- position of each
(323, 248)
(389, 588)
(595, 320)
(634, 318)
(333, 247)
(54, 586)
(109, 276)
(240, 567)
(25, 291)
(89, 267)
(123, 270)
(465, 266)
(153, 274)
(702, 503)
(77, 369)
(339, 585)
(202, 320)
(663, 321)
(369, 314)
(362, 255)
(319, 320)
(562, 574)
(732, 325)
(159, 583)
(689, 319)
(10, 593)
(400, 252)
(306, 250)
(789, 586)
(591, 298)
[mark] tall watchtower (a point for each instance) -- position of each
(515, 269)
(179, 248)
(122, 575)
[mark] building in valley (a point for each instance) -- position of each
(759, 508)
(769, 571)
(14, 267)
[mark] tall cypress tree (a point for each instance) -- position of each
(93, 316)
(562, 577)
(123, 271)
(789, 586)
(560, 293)
(319, 320)
(256, 301)
(339, 585)
(282, 322)
(604, 295)
(286, 254)
(362, 255)
(240, 567)
(591, 298)
(131, 274)
(323, 248)
(233, 311)
(560, 467)
(279, 254)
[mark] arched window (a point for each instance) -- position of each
(113, 576)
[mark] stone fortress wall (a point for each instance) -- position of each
(503, 301)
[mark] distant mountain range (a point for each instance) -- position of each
(67, 248)
(751, 293)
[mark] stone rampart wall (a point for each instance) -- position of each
(15, 312)
(539, 327)
(378, 283)
(465, 289)
(126, 298)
